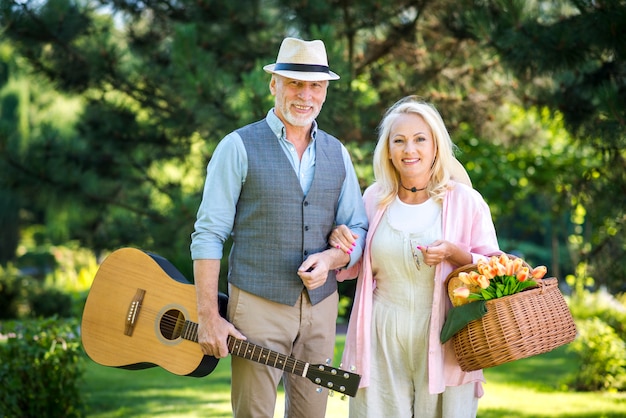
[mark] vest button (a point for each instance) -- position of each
(306, 203)
(306, 228)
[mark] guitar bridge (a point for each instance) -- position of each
(133, 312)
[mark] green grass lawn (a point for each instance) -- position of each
(532, 387)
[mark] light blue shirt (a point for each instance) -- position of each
(226, 174)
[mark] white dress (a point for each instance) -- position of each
(400, 322)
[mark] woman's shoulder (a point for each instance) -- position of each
(371, 197)
(463, 192)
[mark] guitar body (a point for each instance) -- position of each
(121, 327)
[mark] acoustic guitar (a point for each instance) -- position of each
(140, 313)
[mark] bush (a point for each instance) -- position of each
(40, 366)
(603, 305)
(51, 302)
(603, 357)
(13, 290)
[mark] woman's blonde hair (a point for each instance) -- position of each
(385, 173)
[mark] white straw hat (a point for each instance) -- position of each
(302, 60)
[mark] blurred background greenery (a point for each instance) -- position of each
(111, 109)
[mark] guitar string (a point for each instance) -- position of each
(173, 320)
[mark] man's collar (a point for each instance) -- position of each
(277, 126)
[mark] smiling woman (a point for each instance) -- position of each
(422, 225)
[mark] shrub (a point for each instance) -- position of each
(13, 291)
(51, 302)
(40, 366)
(603, 357)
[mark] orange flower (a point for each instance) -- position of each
(504, 259)
(517, 264)
(483, 282)
(495, 277)
(473, 276)
(523, 274)
(539, 271)
(486, 269)
(464, 277)
(500, 269)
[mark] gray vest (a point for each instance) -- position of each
(276, 227)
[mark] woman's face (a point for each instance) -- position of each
(412, 148)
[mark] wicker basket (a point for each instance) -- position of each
(534, 321)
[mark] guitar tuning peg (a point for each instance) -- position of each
(318, 390)
(343, 397)
(331, 393)
(328, 362)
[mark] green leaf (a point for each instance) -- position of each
(526, 284)
(487, 293)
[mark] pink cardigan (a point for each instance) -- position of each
(466, 222)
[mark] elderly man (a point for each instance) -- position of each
(278, 187)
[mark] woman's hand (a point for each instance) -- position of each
(442, 250)
(342, 238)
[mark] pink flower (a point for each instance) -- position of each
(461, 292)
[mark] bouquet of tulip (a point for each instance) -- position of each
(495, 277)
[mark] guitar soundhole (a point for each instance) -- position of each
(172, 323)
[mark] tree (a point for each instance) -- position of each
(159, 83)
(129, 172)
(572, 57)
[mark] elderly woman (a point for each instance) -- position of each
(423, 225)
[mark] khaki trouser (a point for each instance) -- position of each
(303, 331)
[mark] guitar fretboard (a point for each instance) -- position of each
(250, 351)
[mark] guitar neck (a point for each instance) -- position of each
(254, 352)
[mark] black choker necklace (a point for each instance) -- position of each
(413, 189)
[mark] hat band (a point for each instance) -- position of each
(307, 68)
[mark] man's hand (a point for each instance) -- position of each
(314, 270)
(213, 336)
(213, 330)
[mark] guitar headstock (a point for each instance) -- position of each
(334, 379)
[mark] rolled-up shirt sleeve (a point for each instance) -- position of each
(226, 173)
(350, 208)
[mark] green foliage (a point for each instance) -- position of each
(51, 302)
(602, 357)
(50, 281)
(601, 340)
(40, 369)
(599, 304)
(13, 292)
(108, 116)
(570, 59)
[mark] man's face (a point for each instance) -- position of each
(297, 102)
